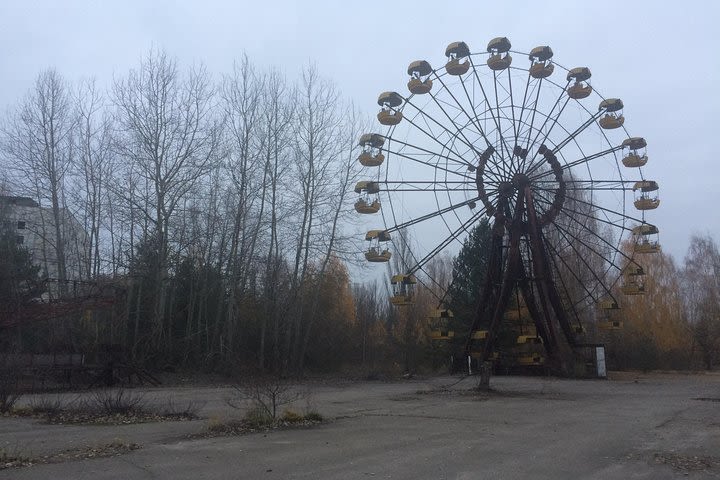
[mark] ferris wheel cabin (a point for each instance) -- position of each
(498, 49)
(455, 52)
(645, 201)
(646, 238)
(377, 253)
(613, 114)
(636, 156)
(541, 62)
(388, 114)
(440, 324)
(371, 156)
(419, 83)
(581, 88)
(403, 289)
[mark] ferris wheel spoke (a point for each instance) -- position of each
(583, 224)
(590, 216)
(431, 165)
(609, 210)
(425, 186)
(559, 146)
(503, 143)
(555, 118)
(582, 255)
(474, 119)
(568, 295)
(434, 214)
(471, 118)
(435, 137)
(464, 140)
(574, 163)
(524, 105)
(512, 110)
(446, 242)
(489, 105)
(568, 268)
(588, 185)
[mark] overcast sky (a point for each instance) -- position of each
(662, 59)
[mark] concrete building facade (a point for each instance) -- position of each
(34, 229)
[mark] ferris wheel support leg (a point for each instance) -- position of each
(509, 281)
(561, 351)
(536, 315)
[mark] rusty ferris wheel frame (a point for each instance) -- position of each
(557, 175)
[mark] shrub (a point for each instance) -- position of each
(313, 416)
(9, 391)
(291, 416)
(118, 401)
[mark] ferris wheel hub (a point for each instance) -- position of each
(520, 181)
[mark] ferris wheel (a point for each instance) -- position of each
(533, 147)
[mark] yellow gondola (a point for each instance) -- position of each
(479, 335)
(540, 62)
(403, 289)
(633, 287)
(610, 325)
(645, 201)
(376, 253)
(498, 49)
(419, 83)
(646, 238)
(633, 269)
(613, 114)
(528, 339)
(581, 88)
(442, 334)
(362, 206)
(371, 156)
(608, 304)
(530, 360)
(636, 156)
(455, 52)
(389, 115)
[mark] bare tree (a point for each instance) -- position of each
(38, 143)
(241, 93)
(92, 169)
(702, 296)
(169, 137)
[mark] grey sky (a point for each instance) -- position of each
(661, 59)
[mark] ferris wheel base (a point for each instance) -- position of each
(587, 361)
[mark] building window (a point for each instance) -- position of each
(19, 239)
(21, 225)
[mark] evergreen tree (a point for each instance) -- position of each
(469, 268)
(19, 278)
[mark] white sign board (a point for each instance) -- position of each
(600, 360)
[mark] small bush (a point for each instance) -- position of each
(313, 416)
(258, 417)
(291, 416)
(118, 402)
(47, 405)
(187, 411)
(9, 391)
(215, 425)
(10, 459)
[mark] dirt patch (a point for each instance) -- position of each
(72, 417)
(112, 449)
(687, 463)
(403, 397)
(243, 427)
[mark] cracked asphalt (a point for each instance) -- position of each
(654, 426)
